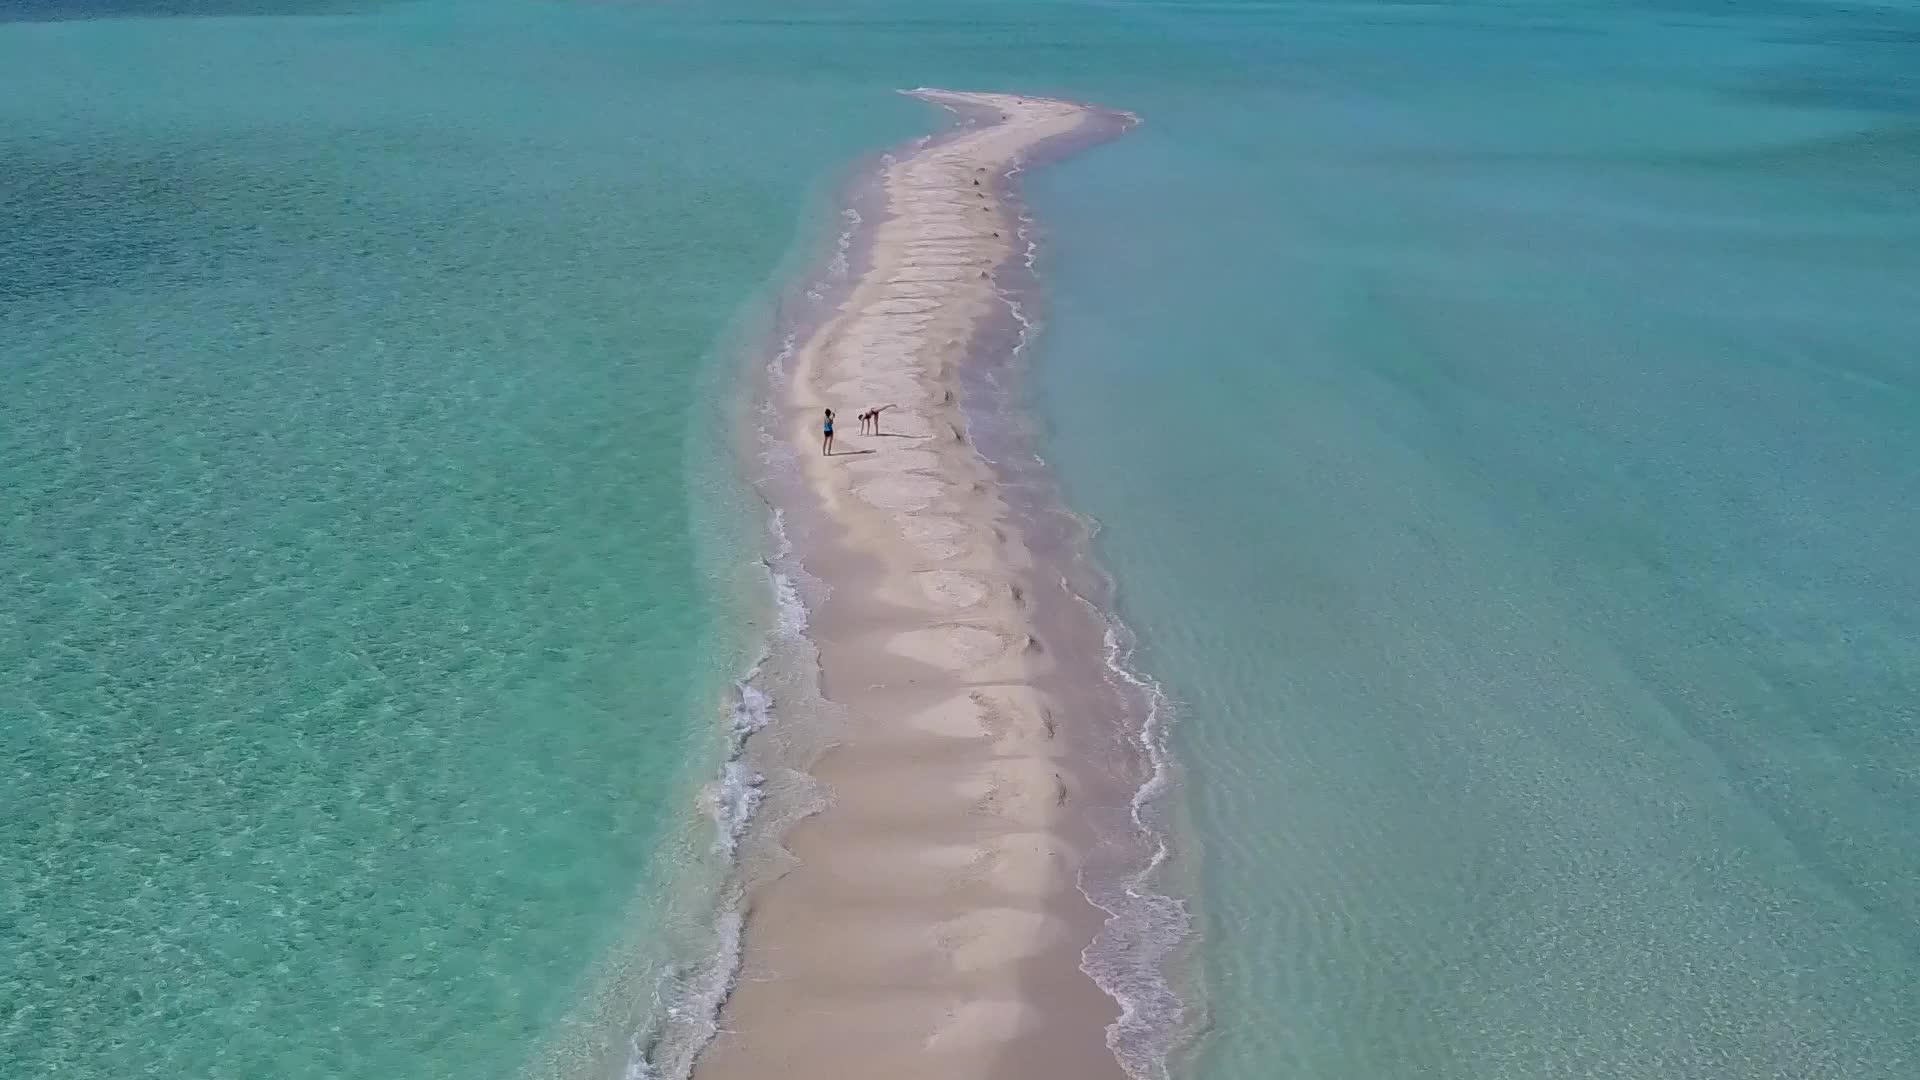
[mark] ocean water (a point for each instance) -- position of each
(370, 565)
(1504, 420)
(1501, 419)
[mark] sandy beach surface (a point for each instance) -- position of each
(931, 926)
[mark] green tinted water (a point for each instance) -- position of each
(1501, 416)
(363, 641)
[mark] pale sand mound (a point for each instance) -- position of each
(983, 1023)
(897, 461)
(901, 307)
(912, 289)
(1022, 864)
(939, 538)
(956, 647)
(1013, 716)
(1018, 717)
(930, 273)
(995, 937)
(945, 260)
(906, 492)
(933, 527)
(899, 324)
(894, 867)
(953, 590)
(955, 718)
(1023, 790)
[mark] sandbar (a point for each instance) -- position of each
(930, 925)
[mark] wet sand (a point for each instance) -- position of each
(931, 926)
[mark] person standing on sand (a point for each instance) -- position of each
(826, 435)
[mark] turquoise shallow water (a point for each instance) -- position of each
(364, 610)
(1507, 448)
(1502, 418)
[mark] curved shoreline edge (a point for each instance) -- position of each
(934, 919)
